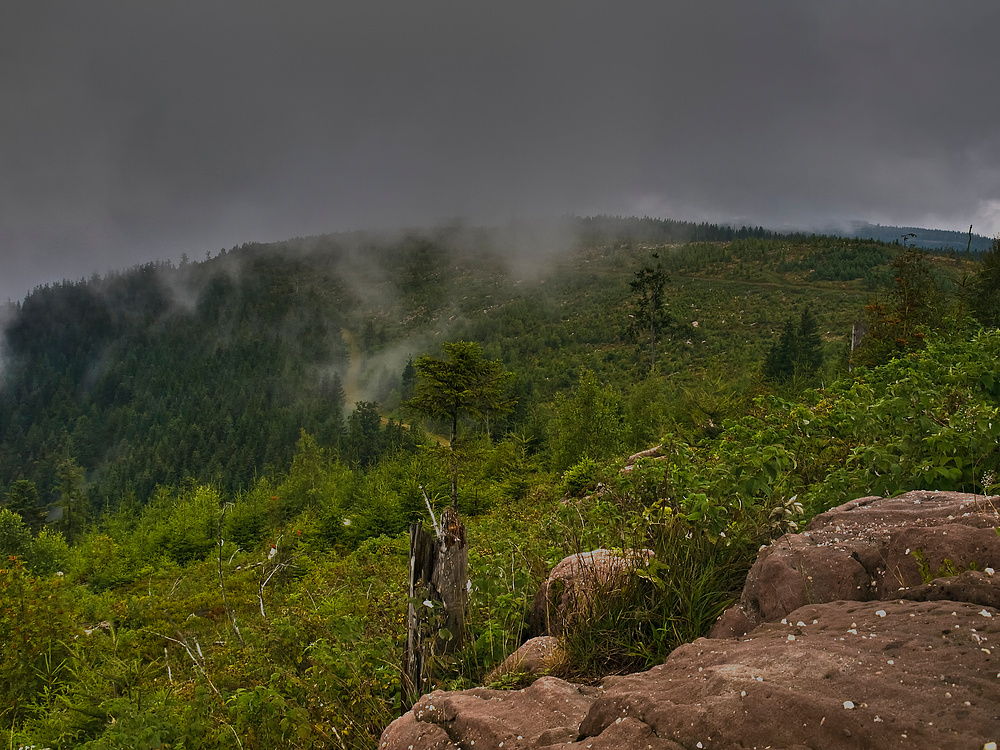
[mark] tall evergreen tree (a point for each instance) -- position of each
(465, 384)
(72, 498)
(364, 434)
(408, 380)
(22, 498)
(649, 317)
(798, 352)
(809, 357)
(15, 539)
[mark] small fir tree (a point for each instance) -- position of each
(464, 384)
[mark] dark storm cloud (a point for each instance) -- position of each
(134, 131)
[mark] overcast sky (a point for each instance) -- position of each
(134, 131)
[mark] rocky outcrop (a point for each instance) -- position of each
(876, 659)
(865, 550)
(898, 674)
(575, 583)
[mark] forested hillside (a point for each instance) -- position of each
(207, 470)
(209, 370)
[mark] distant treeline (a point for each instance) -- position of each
(647, 230)
(936, 240)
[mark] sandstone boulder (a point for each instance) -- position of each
(575, 584)
(868, 549)
(537, 656)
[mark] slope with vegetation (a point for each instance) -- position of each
(204, 546)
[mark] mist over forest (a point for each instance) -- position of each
(208, 469)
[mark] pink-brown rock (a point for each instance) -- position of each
(536, 656)
(868, 549)
(574, 585)
(893, 674)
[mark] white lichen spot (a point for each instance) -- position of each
(880, 613)
(985, 613)
(848, 705)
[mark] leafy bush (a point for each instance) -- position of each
(587, 423)
(581, 477)
(49, 552)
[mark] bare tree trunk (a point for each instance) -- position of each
(435, 617)
(450, 578)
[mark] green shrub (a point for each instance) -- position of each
(49, 552)
(189, 527)
(581, 477)
(37, 629)
(15, 538)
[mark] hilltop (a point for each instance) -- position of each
(209, 370)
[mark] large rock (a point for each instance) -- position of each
(576, 583)
(857, 652)
(535, 658)
(868, 549)
(895, 674)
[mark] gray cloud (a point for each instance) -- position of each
(135, 131)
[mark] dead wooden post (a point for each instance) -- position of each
(438, 577)
(451, 577)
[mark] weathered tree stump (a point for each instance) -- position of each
(435, 620)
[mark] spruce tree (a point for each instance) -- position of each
(465, 384)
(650, 317)
(798, 353)
(809, 357)
(22, 498)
